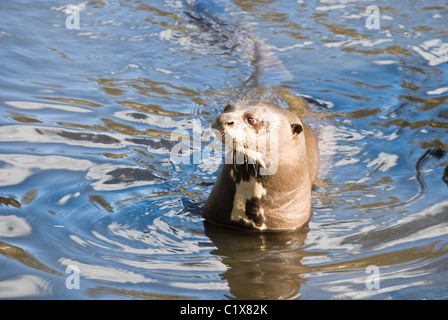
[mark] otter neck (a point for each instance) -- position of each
(244, 172)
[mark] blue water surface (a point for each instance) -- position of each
(90, 114)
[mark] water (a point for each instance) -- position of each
(87, 182)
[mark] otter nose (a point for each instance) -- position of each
(227, 120)
(229, 123)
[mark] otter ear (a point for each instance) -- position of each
(296, 128)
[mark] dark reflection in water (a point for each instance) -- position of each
(89, 116)
(260, 265)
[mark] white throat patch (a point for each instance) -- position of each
(246, 190)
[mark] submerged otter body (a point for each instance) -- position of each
(272, 161)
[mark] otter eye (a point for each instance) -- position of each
(252, 121)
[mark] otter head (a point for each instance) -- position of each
(252, 129)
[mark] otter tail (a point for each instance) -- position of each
(214, 16)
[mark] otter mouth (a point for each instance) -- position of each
(241, 151)
(249, 156)
(241, 154)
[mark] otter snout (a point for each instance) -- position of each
(228, 123)
(222, 123)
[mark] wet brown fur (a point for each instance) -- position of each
(280, 201)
